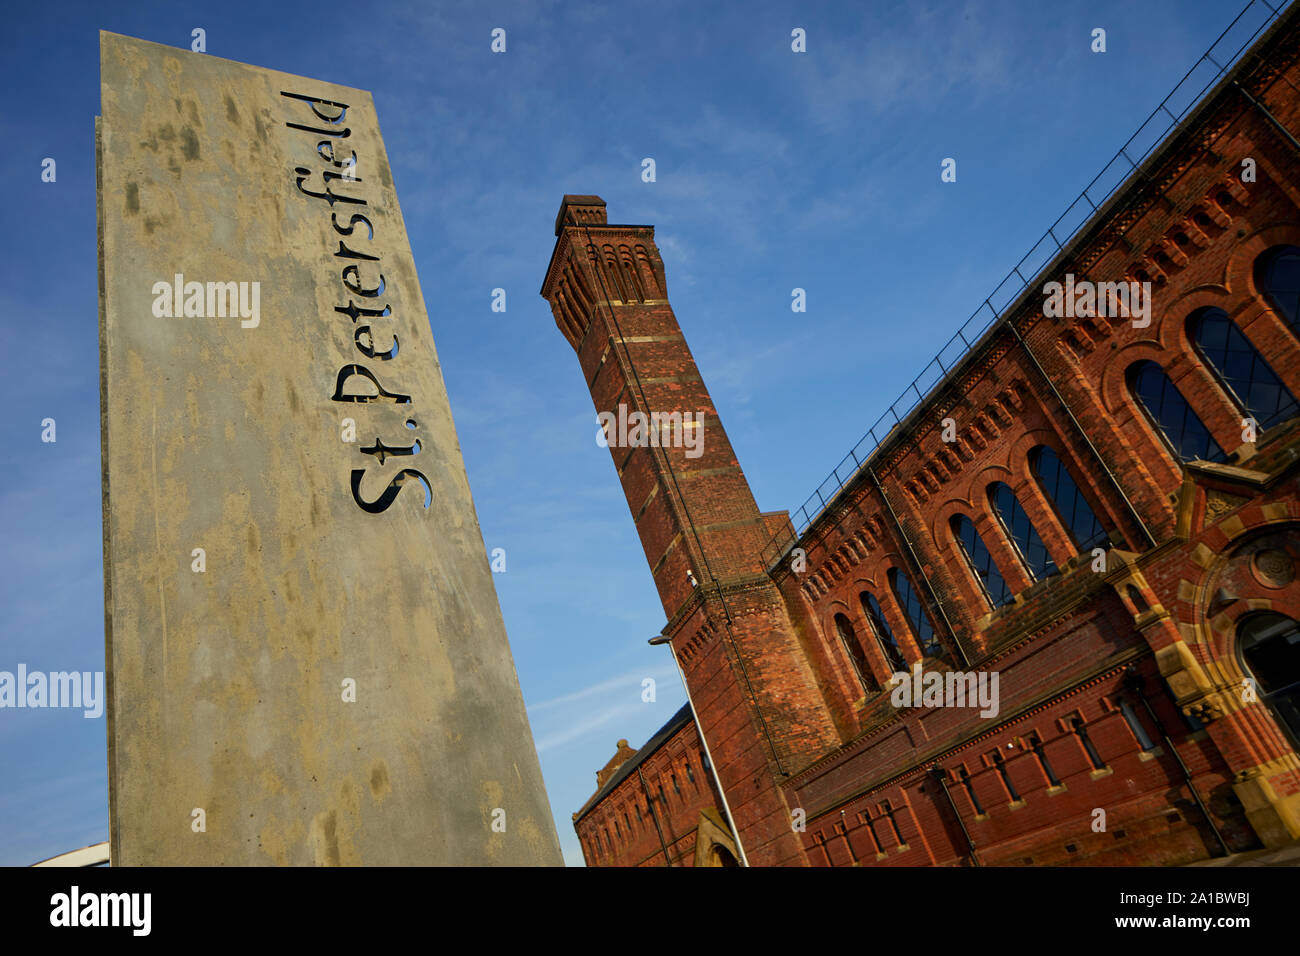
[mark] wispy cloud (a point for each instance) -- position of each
(632, 679)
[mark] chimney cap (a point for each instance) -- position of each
(585, 209)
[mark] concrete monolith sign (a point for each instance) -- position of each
(306, 658)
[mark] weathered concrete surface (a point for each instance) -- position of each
(227, 685)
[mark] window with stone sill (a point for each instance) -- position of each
(1020, 531)
(1135, 725)
(883, 633)
(1244, 375)
(1172, 416)
(849, 640)
(980, 562)
(915, 613)
(1062, 492)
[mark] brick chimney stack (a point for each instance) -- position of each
(759, 703)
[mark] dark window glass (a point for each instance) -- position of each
(964, 775)
(884, 634)
(849, 638)
(1135, 724)
(908, 600)
(1036, 745)
(1249, 379)
(1064, 494)
(1081, 731)
(980, 561)
(1193, 724)
(1171, 413)
(1270, 646)
(1277, 274)
(1021, 531)
(1000, 764)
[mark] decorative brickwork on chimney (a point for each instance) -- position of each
(1131, 646)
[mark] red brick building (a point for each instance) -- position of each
(657, 806)
(1097, 507)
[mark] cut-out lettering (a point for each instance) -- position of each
(352, 224)
(304, 173)
(346, 253)
(341, 134)
(325, 150)
(348, 371)
(354, 311)
(367, 348)
(385, 499)
(384, 452)
(313, 101)
(355, 283)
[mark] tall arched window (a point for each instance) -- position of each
(980, 561)
(1277, 275)
(1063, 493)
(849, 638)
(884, 634)
(915, 613)
(1248, 379)
(1171, 413)
(1270, 648)
(1021, 531)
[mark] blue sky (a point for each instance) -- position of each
(775, 170)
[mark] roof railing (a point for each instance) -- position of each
(1164, 119)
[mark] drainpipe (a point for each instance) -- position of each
(1134, 683)
(713, 768)
(938, 776)
(1267, 115)
(916, 564)
(1087, 439)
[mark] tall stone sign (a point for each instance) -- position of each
(306, 659)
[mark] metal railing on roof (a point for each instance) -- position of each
(1173, 109)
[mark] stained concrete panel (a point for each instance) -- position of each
(261, 570)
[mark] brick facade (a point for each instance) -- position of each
(1120, 676)
(657, 806)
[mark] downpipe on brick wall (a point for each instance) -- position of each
(1135, 684)
(940, 777)
(704, 743)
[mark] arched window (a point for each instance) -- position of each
(1270, 648)
(908, 600)
(1018, 527)
(1277, 275)
(884, 634)
(1247, 377)
(1171, 413)
(980, 561)
(844, 628)
(1064, 495)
